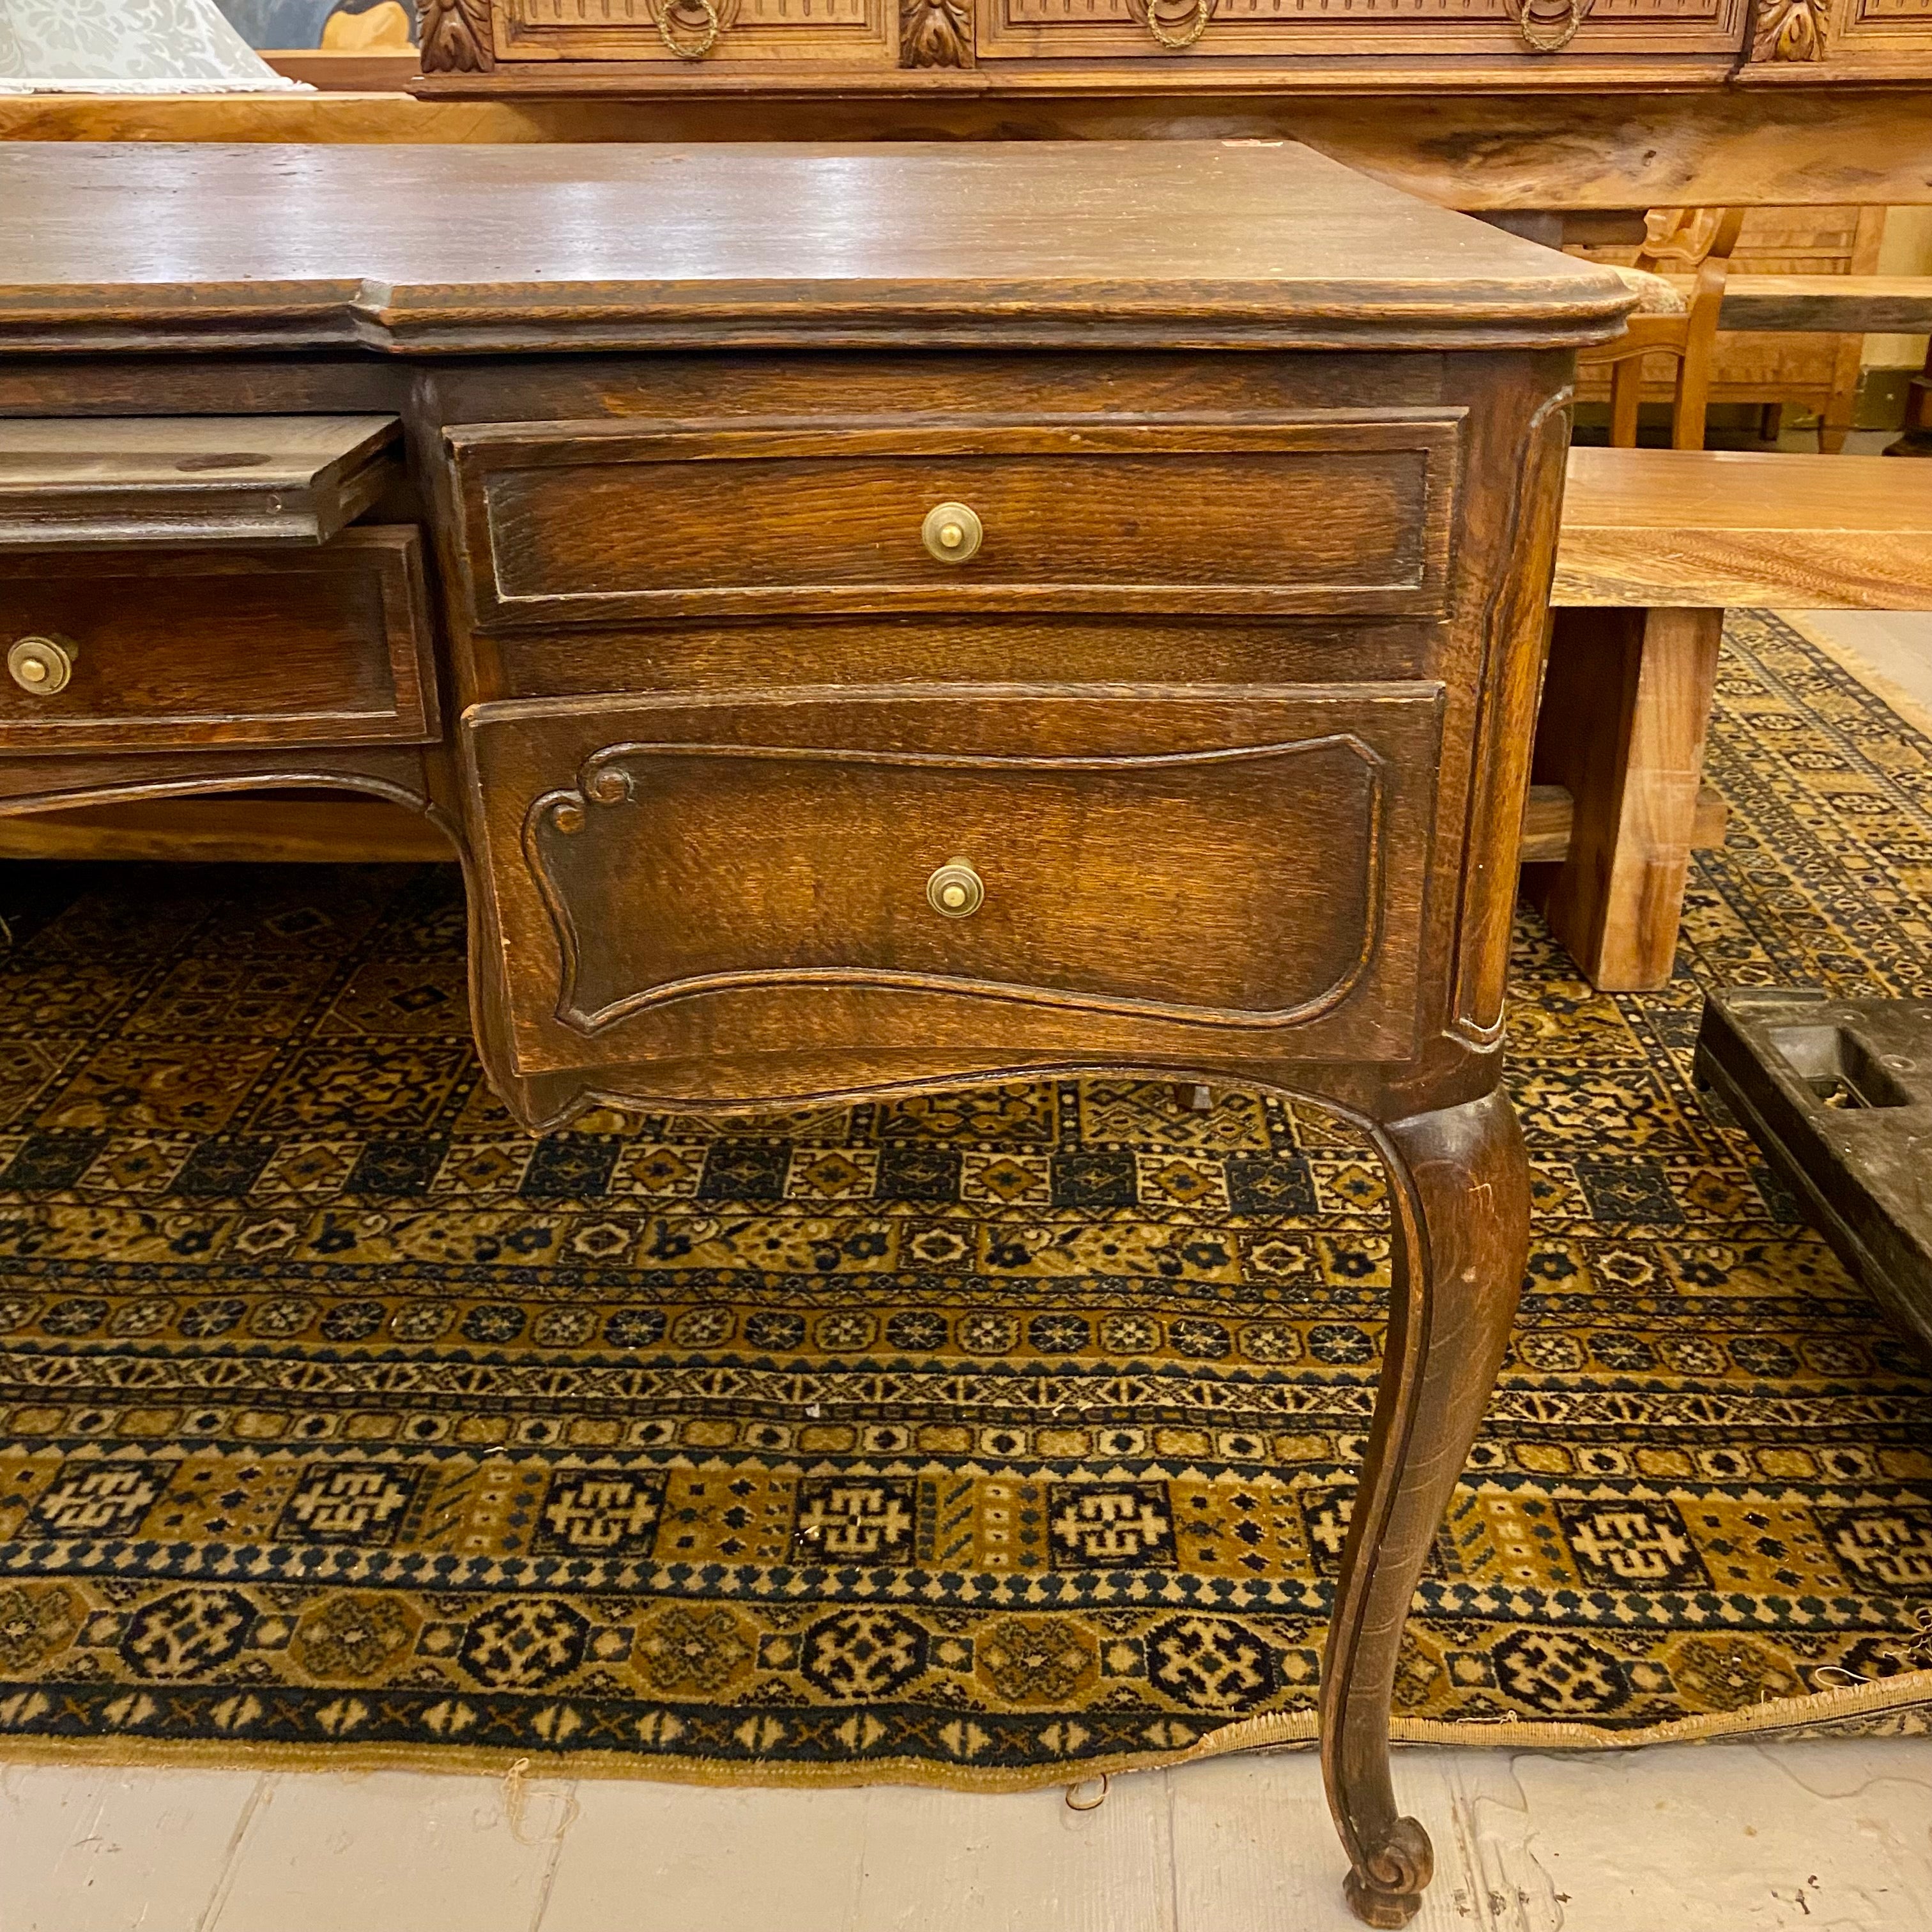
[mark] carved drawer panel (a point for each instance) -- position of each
(604, 523)
(952, 865)
(155, 650)
(850, 32)
(1157, 29)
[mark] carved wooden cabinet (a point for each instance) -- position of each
(1088, 53)
(1099, 628)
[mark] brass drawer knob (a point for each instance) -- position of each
(951, 532)
(40, 664)
(955, 891)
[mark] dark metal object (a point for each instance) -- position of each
(1838, 1094)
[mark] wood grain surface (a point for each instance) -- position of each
(1250, 244)
(604, 823)
(1890, 305)
(595, 523)
(329, 645)
(1507, 148)
(1713, 528)
(317, 828)
(1629, 695)
(117, 480)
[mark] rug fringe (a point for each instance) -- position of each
(1851, 1705)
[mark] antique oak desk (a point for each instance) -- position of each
(868, 619)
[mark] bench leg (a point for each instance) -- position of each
(1625, 706)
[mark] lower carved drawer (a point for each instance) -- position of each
(952, 867)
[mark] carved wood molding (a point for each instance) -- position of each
(1790, 30)
(456, 37)
(935, 33)
(1681, 236)
(614, 778)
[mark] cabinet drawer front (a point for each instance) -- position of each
(1224, 864)
(171, 650)
(1467, 29)
(602, 523)
(854, 33)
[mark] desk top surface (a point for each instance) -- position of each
(1185, 244)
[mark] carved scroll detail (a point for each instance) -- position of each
(1679, 236)
(456, 37)
(1790, 30)
(613, 776)
(934, 33)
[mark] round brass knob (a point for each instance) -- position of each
(40, 664)
(955, 891)
(951, 532)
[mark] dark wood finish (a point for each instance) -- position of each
(1221, 245)
(1227, 723)
(279, 828)
(601, 823)
(414, 776)
(176, 648)
(1917, 440)
(593, 523)
(1458, 1190)
(176, 480)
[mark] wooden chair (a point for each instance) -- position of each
(1672, 321)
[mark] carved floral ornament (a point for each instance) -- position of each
(455, 36)
(934, 33)
(1790, 30)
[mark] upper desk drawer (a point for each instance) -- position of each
(110, 482)
(585, 522)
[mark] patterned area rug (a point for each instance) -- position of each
(988, 1439)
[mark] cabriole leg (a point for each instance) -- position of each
(1458, 1184)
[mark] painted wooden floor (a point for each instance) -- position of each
(1830, 1837)
(1718, 1838)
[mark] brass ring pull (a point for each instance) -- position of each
(951, 532)
(955, 891)
(1180, 42)
(41, 665)
(711, 29)
(1534, 37)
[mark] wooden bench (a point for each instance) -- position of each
(1656, 544)
(1829, 304)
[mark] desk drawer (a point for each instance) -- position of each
(158, 651)
(609, 523)
(953, 866)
